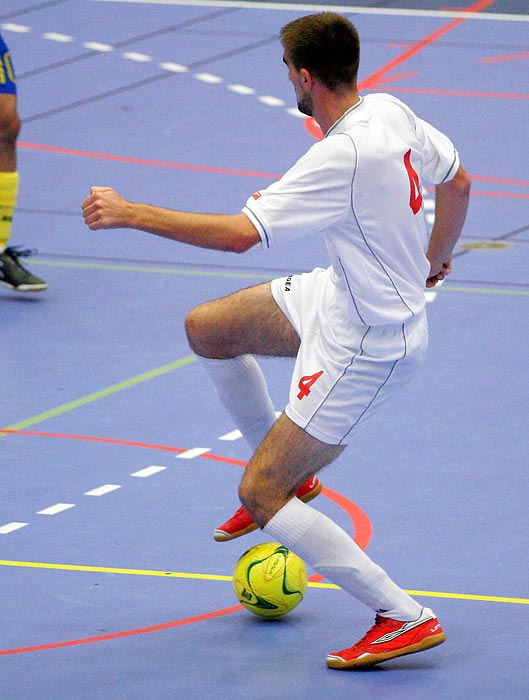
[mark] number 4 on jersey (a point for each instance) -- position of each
(415, 185)
(306, 383)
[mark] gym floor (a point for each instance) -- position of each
(118, 461)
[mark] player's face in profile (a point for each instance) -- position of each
(304, 101)
(305, 105)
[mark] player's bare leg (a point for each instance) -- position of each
(246, 322)
(9, 130)
(226, 333)
(283, 460)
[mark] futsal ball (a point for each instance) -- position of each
(270, 580)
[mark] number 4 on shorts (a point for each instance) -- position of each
(306, 383)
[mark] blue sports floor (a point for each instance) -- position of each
(117, 460)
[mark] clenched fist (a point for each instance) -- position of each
(105, 208)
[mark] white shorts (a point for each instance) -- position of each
(343, 372)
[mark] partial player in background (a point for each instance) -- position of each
(12, 274)
(357, 329)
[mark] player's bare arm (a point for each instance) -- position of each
(451, 204)
(106, 209)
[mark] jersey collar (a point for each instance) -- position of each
(344, 115)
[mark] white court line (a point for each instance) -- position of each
(138, 57)
(173, 67)
(18, 28)
(212, 79)
(98, 46)
(294, 111)
(209, 78)
(194, 452)
(236, 434)
(232, 435)
(271, 101)
(57, 508)
(11, 527)
(103, 490)
(342, 9)
(148, 471)
(61, 38)
(241, 89)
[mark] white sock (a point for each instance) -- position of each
(330, 551)
(241, 387)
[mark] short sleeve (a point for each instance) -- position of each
(312, 196)
(441, 159)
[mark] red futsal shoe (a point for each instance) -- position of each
(388, 639)
(241, 523)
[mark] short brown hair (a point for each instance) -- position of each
(325, 44)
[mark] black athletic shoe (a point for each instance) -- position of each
(16, 277)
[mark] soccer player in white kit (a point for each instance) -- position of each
(357, 329)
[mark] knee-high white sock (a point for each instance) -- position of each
(241, 387)
(330, 551)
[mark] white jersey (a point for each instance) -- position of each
(361, 188)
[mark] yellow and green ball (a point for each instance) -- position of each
(270, 580)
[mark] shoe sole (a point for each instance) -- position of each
(373, 659)
(222, 536)
(25, 287)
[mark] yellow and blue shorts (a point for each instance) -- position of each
(7, 74)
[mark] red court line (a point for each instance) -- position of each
(461, 93)
(400, 76)
(132, 633)
(360, 521)
(504, 180)
(310, 125)
(506, 195)
(126, 633)
(483, 193)
(144, 161)
(512, 57)
(114, 441)
(377, 77)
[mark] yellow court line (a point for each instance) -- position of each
(214, 577)
(112, 570)
(471, 596)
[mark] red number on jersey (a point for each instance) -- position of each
(415, 185)
(305, 383)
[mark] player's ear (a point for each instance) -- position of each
(306, 79)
